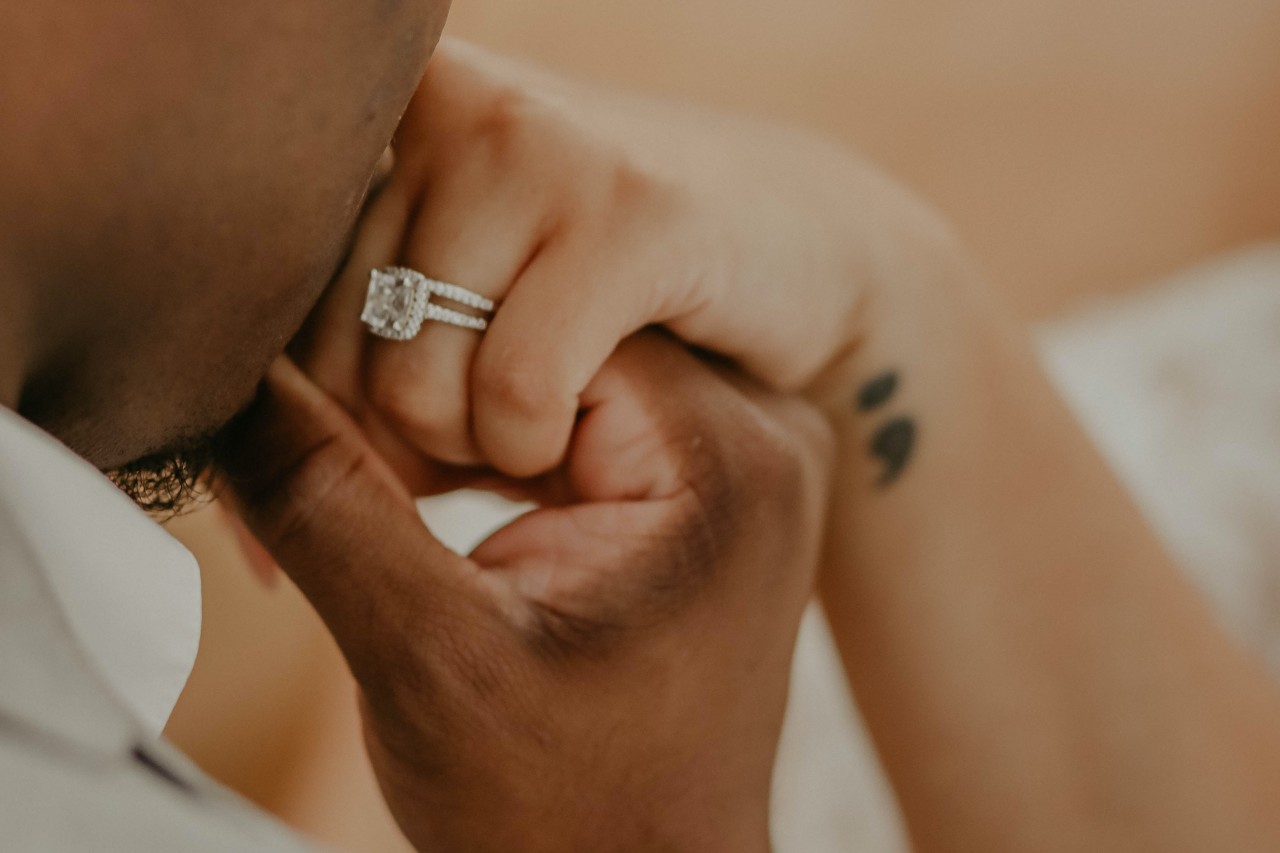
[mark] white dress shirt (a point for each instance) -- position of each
(99, 618)
(129, 592)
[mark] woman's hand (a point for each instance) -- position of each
(589, 216)
(608, 673)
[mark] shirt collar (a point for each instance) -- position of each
(129, 592)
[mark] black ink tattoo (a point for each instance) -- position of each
(895, 441)
(878, 391)
(893, 445)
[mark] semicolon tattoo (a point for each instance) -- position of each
(878, 391)
(894, 442)
(893, 445)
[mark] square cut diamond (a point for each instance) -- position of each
(395, 305)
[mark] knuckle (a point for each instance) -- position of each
(635, 195)
(509, 130)
(631, 186)
(509, 108)
(516, 388)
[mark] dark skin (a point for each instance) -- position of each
(177, 163)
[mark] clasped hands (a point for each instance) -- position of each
(610, 671)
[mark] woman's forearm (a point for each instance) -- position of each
(1034, 670)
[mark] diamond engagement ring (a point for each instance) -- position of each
(400, 301)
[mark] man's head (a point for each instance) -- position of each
(177, 183)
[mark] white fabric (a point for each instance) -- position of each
(1181, 388)
(129, 592)
(99, 614)
(77, 772)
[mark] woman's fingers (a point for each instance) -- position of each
(477, 230)
(557, 327)
(514, 201)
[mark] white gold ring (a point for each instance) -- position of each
(399, 302)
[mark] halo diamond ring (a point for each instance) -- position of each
(399, 301)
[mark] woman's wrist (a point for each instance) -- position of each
(984, 564)
(917, 286)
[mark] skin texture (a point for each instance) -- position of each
(1035, 671)
(173, 205)
(603, 673)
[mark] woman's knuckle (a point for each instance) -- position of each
(509, 129)
(515, 389)
(631, 185)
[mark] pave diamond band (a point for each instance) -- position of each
(399, 301)
(460, 295)
(455, 318)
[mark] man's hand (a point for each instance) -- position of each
(608, 672)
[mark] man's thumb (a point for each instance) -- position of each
(310, 487)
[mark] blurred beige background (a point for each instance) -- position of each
(1079, 144)
(1083, 148)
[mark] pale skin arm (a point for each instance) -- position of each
(1035, 672)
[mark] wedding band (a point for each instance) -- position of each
(399, 301)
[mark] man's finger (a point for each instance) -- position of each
(340, 524)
